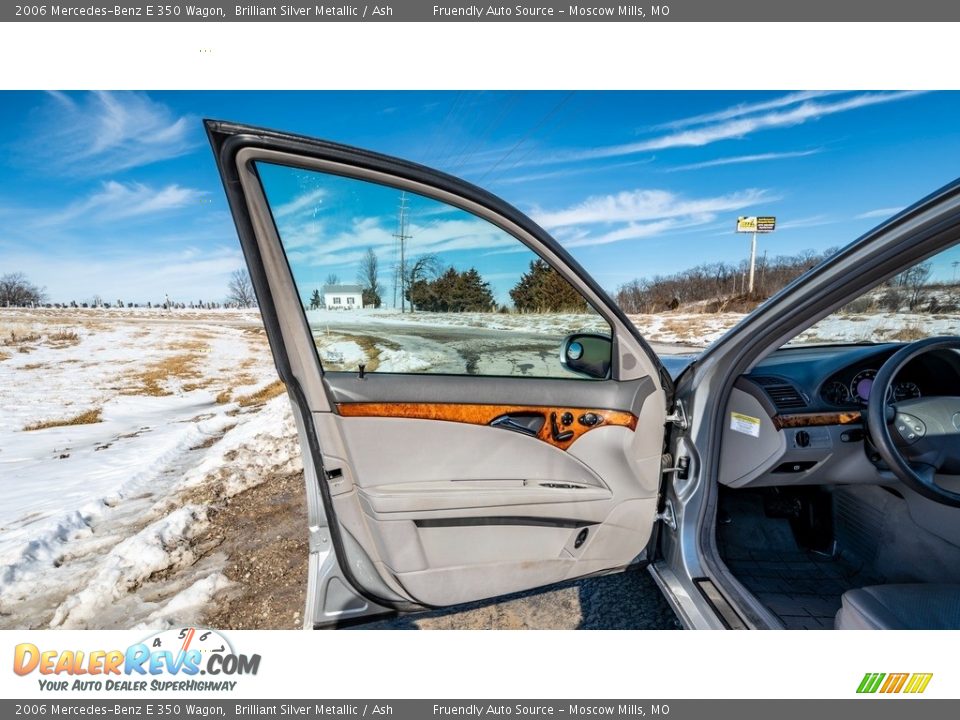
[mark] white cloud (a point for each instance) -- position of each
(119, 201)
(743, 109)
(306, 201)
(639, 214)
(636, 231)
(105, 132)
(739, 159)
(736, 125)
(879, 213)
(812, 221)
(645, 205)
(312, 248)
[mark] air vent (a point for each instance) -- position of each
(785, 397)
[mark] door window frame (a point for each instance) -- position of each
(555, 256)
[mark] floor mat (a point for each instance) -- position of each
(801, 587)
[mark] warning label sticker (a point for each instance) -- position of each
(745, 424)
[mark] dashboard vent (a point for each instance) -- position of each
(784, 395)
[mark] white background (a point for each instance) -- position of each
(466, 56)
(648, 665)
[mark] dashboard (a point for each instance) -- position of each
(795, 418)
(843, 376)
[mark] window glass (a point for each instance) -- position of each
(920, 302)
(431, 288)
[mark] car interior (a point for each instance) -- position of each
(811, 520)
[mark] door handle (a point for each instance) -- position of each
(508, 423)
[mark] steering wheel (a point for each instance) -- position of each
(920, 437)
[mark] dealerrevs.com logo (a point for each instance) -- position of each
(171, 660)
(893, 683)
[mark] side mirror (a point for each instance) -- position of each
(587, 354)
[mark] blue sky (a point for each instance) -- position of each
(116, 194)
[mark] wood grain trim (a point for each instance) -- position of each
(799, 420)
(485, 414)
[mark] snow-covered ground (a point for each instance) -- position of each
(880, 327)
(121, 430)
(91, 510)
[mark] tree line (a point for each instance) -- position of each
(716, 286)
(17, 291)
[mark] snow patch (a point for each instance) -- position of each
(344, 353)
(187, 605)
(162, 545)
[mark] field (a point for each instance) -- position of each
(149, 463)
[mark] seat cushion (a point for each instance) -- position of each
(926, 606)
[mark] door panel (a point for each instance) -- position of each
(625, 395)
(444, 482)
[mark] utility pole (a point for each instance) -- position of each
(955, 263)
(401, 237)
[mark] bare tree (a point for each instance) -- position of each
(368, 278)
(332, 279)
(240, 290)
(16, 290)
(422, 268)
(915, 280)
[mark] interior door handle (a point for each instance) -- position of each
(508, 423)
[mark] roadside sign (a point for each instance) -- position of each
(754, 224)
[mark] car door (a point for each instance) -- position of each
(495, 425)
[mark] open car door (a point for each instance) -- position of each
(496, 425)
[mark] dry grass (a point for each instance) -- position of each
(88, 418)
(33, 366)
(4, 356)
(261, 396)
(223, 397)
(908, 333)
(23, 337)
(193, 346)
(63, 338)
(683, 328)
(152, 380)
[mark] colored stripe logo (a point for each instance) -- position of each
(887, 683)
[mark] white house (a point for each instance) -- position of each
(342, 297)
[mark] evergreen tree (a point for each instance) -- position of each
(452, 291)
(543, 289)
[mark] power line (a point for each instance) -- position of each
(470, 148)
(556, 108)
